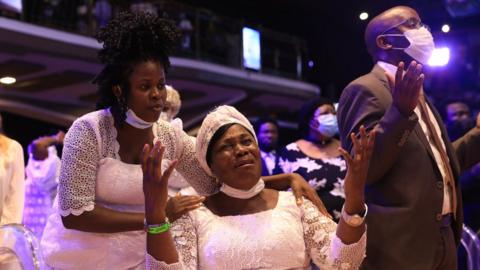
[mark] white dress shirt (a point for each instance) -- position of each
(269, 158)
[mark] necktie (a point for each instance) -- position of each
(438, 144)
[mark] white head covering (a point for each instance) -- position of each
(217, 118)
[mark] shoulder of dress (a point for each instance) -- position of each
(14, 146)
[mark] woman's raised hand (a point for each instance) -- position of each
(357, 165)
(155, 183)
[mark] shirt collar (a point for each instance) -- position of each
(389, 68)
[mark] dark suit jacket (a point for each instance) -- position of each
(404, 189)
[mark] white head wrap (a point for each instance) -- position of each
(219, 117)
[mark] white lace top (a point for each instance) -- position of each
(285, 237)
(92, 173)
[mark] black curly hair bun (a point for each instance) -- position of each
(137, 36)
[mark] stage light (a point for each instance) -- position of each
(363, 16)
(446, 28)
(7, 80)
(440, 57)
(310, 64)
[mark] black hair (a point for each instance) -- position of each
(306, 113)
(264, 120)
(450, 101)
(128, 39)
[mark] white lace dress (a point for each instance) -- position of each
(93, 174)
(285, 237)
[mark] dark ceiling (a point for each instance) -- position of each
(332, 29)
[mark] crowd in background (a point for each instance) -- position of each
(315, 154)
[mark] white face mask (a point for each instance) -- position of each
(243, 194)
(421, 44)
(137, 122)
(327, 125)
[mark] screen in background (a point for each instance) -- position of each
(251, 48)
(11, 5)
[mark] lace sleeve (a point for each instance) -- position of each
(182, 147)
(185, 238)
(78, 169)
(324, 247)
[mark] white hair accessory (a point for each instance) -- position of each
(217, 118)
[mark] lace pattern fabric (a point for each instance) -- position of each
(92, 174)
(93, 137)
(285, 237)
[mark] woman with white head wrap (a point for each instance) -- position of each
(245, 225)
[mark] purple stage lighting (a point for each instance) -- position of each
(440, 57)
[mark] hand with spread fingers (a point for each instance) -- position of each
(155, 183)
(179, 205)
(357, 169)
(406, 87)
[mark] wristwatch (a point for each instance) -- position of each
(354, 220)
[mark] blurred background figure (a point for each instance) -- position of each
(177, 184)
(316, 156)
(12, 179)
(42, 171)
(267, 130)
(172, 106)
(187, 30)
(459, 119)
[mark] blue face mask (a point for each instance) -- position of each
(327, 125)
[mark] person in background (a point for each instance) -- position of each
(12, 179)
(268, 133)
(459, 120)
(316, 155)
(42, 171)
(183, 198)
(187, 31)
(171, 108)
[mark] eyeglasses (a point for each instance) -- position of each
(412, 23)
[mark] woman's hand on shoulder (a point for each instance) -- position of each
(180, 205)
(301, 188)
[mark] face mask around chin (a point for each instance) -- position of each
(421, 44)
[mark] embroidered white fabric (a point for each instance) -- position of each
(217, 118)
(286, 237)
(93, 174)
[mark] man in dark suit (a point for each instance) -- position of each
(267, 130)
(415, 213)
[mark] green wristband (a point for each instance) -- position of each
(157, 228)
